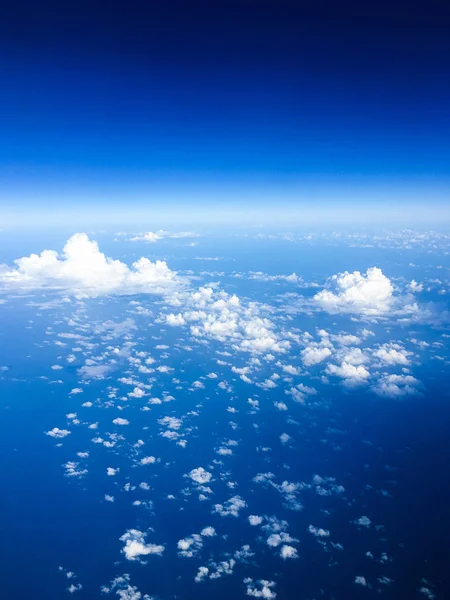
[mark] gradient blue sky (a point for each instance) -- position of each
(112, 110)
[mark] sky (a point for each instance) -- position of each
(224, 111)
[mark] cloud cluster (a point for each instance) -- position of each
(223, 317)
(85, 271)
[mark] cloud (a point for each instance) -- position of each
(136, 546)
(351, 374)
(85, 271)
(288, 552)
(366, 294)
(231, 507)
(217, 315)
(260, 589)
(392, 354)
(57, 433)
(397, 386)
(155, 236)
(314, 355)
(255, 520)
(318, 531)
(200, 476)
(120, 421)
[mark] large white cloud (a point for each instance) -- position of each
(367, 294)
(84, 270)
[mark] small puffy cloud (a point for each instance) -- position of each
(190, 546)
(255, 520)
(397, 385)
(318, 531)
(260, 589)
(284, 438)
(351, 374)
(175, 320)
(136, 546)
(202, 574)
(315, 355)
(200, 476)
(231, 507)
(120, 421)
(363, 521)
(85, 271)
(366, 294)
(392, 354)
(360, 580)
(148, 460)
(57, 433)
(288, 552)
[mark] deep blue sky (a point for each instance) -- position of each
(255, 102)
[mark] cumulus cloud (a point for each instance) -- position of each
(136, 546)
(200, 476)
(215, 314)
(231, 507)
(288, 552)
(315, 355)
(57, 433)
(260, 589)
(366, 294)
(351, 374)
(392, 354)
(85, 271)
(397, 385)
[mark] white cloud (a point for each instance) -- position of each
(260, 589)
(366, 294)
(397, 385)
(318, 531)
(215, 314)
(190, 546)
(288, 552)
(136, 546)
(231, 507)
(57, 433)
(314, 355)
(155, 236)
(200, 476)
(175, 320)
(202, 573)
(85, 271)
(148, 460)
(255, 520)
(392, 354)
(120, 421)
(351, 374)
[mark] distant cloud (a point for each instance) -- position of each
(153, 237)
